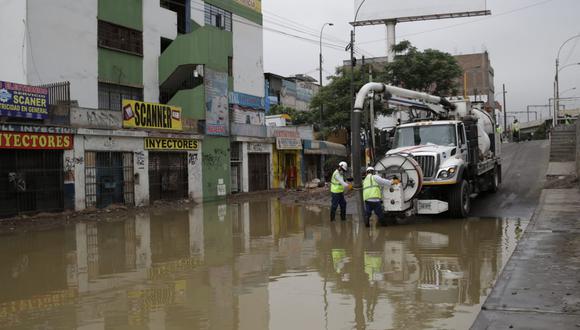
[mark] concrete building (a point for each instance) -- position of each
(201, 61)
(477, 81)
(293, 92)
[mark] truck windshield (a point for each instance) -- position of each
(418, 135)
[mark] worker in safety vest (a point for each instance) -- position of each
(337, 186)
(516, 130)
(499, 132)
(373, 196)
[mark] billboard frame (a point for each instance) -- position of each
(422, 18)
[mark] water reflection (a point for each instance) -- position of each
(252, 265)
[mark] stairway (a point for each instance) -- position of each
(563, 144)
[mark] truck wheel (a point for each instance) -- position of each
(459, 202)
(494, 185)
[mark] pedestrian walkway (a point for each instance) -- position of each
(539, 287)
(561, 168)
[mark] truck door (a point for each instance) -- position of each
(462, 142)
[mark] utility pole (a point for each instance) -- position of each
(504, 111)
(355, 127)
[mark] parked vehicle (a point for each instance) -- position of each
(444, 158)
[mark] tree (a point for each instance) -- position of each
(335, 99)
(298, 117)
(430, 71)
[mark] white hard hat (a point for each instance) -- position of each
(343, 165)
(370, 169)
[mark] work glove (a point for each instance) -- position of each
(350, 187)
(396, 181)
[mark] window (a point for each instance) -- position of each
(461, 134)
(111, 96)
(120, 38)
(230, 66)
(422, 135)
(218, 17)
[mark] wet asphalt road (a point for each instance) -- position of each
(524, 167)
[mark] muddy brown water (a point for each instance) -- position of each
(252, 265)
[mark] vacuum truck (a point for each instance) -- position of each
(444, 157)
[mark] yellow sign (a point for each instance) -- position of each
(170, 144)
(255, 5)
(137, 114)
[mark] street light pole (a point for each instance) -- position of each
(321, 125)
(320, 67)
(557, 84)
(556, 80)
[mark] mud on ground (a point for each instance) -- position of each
(113, 213)
(561, 182)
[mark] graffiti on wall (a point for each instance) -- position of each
(192, 158)
(69, 167)
(140, 159)
(71, 162)
(218, 158)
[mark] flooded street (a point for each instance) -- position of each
(252, 265)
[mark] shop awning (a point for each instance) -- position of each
(314, 147)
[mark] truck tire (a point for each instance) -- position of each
(495, 180)
(459, 202)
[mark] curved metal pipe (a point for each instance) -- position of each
(397, 91)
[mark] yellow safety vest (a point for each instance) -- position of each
(370, 188)
(335, 186)
(373, 265)
(338, 256)
(516, 127)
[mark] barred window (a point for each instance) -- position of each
(218, 17)
(111, 96)
(120, 38)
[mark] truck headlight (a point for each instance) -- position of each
(447, 173)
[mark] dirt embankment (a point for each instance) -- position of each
(45, 221)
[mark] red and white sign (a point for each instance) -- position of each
(35, 141)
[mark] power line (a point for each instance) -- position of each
(335, 45)
(270, 29)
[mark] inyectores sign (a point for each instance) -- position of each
(23, 101)
(15, 140)
(137, 114)
(170, 144)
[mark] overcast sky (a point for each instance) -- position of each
(521, 36)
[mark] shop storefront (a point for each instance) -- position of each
(287, 160)
(314, 154)
(259, 166)
(31, 169)
(109, 178)
(168, 167)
